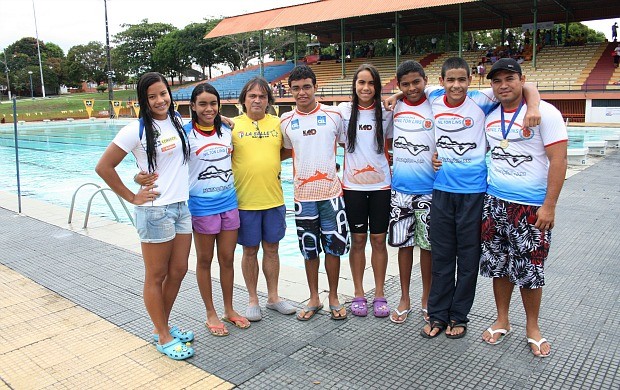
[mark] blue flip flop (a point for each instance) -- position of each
(183, 335)
(176, 350)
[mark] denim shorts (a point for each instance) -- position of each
(156, 224)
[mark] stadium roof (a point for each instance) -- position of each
(373, 19)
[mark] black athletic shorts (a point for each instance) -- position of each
(363, 207)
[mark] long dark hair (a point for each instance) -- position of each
(208, 88)
(144, 83)
(352, 129)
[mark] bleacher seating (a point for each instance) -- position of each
(229, 85)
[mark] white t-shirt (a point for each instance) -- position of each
(365, 169)
(460, 140)
(172, 183)
(519, 172)
(413, 147)
(211, 185)
(313, 136)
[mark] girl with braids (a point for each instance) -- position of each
(159, 144)
(367, 133)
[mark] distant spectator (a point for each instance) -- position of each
(371, 50)
(559, 35)
(616, 54)
(614, 31)
(434, 43)
(527, 35)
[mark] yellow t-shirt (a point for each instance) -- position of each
(256, 162)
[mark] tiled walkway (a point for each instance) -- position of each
(71, 316)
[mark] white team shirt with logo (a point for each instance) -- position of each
(413, 147)
(173, 173)
(365, 169)
(211, 181)
(460, 140)
(519, 172)
(313, 137)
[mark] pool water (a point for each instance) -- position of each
(57, 158)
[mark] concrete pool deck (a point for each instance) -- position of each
(71, 315)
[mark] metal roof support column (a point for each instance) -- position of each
(503, 32)
(460, 31)
(260, 53)
(535, 10)
(343, 56)
(397, 39)
(566, 28)
(295, 46)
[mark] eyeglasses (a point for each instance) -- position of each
(306, 88)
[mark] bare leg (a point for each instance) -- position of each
(357, 261)
(159, 286)
(332, 267)
(379, 258)
(405, 264)
(312, 275)
(271, 270)
(226, 242)
(427, 274)
(532, 298)
(204, 255)
(249, 268)
(502, 289)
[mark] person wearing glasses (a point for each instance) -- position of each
(256, 164)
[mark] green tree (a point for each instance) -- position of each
(136, 44)
(204, 52)
(22, 56)
(86, 62)
(172, 56)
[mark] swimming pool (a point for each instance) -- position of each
(58, 157)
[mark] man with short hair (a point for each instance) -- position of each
(310, 131)
(257, 143)
(526, 173)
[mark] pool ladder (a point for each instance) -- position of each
(90, 201)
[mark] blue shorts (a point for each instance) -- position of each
(323, 223)
(157, 224)
(261, 225)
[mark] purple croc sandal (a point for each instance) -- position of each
(359, 306)
(380, 307)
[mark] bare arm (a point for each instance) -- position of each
(390, 102)
(106, 169)
(555, 180)
(532, 98)
(285, 154)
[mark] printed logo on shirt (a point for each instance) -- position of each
(446, 142)
(367, 168)
(309, 132)
(365, 127)
(295, 124)
(321, 120)
(318, 175)
(526, 133)
(212, 172)
(428, 124)
(452, 122)
(402, 143)
(514, 160)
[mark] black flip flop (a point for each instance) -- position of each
(454, 324)
(435, 324)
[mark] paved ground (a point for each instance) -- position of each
(71, 316)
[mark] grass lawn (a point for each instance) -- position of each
(64, 106)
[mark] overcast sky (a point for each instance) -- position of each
(74, 22)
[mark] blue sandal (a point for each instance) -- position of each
(176, 350)
(183, 335)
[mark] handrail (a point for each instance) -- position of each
(90, 201)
